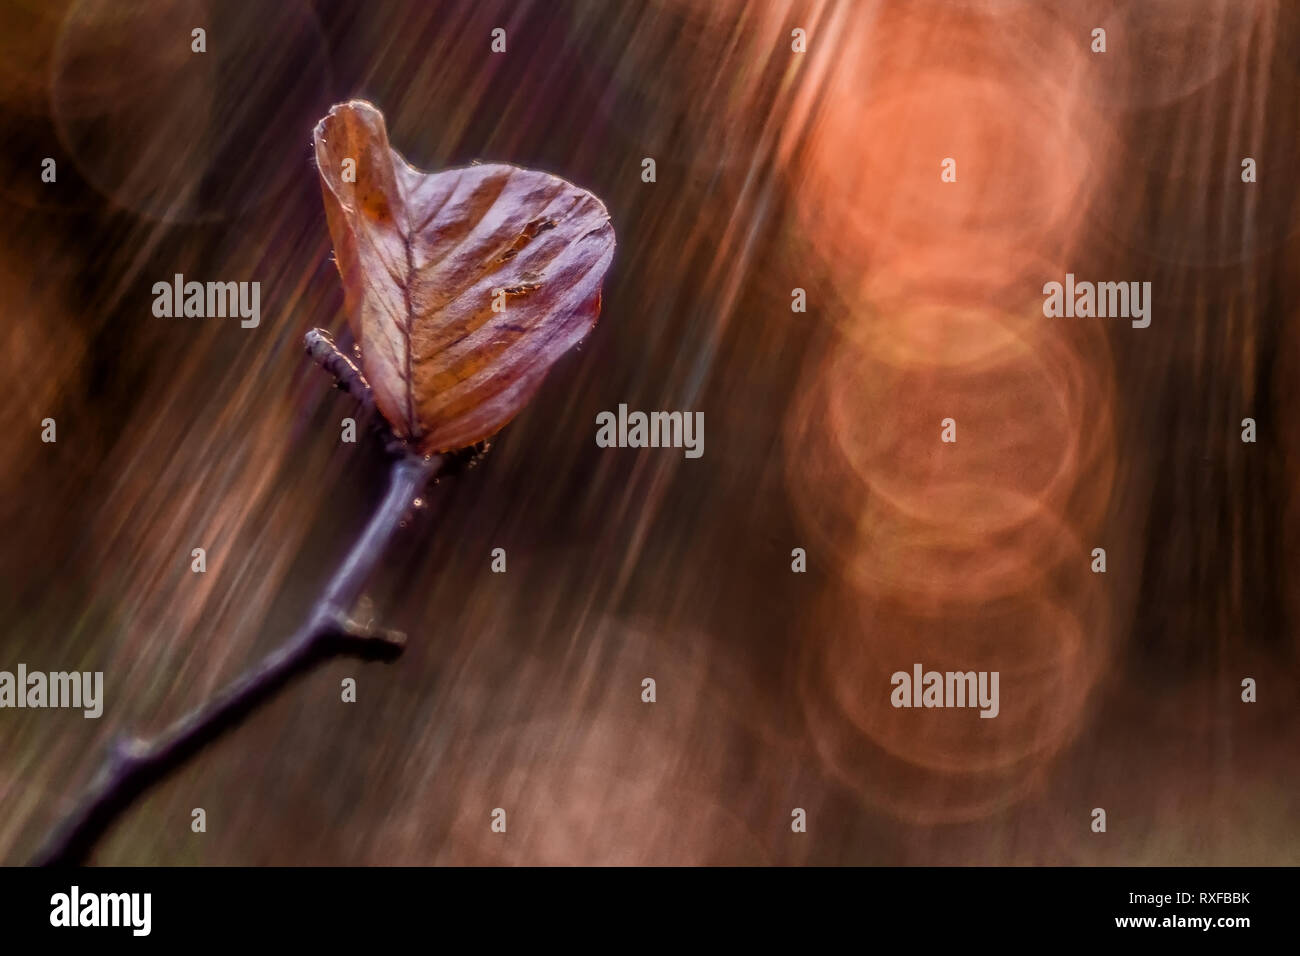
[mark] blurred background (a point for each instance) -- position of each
(776, 170)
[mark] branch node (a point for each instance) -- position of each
(347, 374)
(364, 640)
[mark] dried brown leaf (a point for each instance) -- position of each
(423, 256)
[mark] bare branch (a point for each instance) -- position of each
(134, 765)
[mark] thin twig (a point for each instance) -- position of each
(134, 765)
(347, 374)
